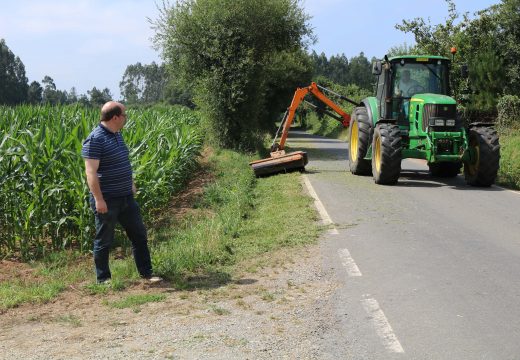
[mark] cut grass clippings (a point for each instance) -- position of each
(237, 219)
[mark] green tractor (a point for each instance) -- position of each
(413, 116)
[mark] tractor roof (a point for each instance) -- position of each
(417, 57)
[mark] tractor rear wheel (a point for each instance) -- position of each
(445, 169)
(359, 135)
(484, 151)
(386, 154)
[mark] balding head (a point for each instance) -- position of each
(111, 109)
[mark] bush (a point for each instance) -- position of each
(508, 111)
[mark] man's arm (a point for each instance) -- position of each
(91, 167)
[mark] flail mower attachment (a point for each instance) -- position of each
(279, 160)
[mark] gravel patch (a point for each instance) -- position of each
(280, 311)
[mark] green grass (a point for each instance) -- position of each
(509, 173)
(133, 301)
(237, 219)
(326, 126)
(51, 277)
(248, 217)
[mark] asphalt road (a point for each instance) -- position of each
(427, 269)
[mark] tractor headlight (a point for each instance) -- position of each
(450, 122)
(436, 122)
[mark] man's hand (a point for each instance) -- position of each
(101, 206)
(134, 188)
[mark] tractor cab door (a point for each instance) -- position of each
(382, 92)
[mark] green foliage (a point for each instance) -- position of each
(144, 83)
(434, 40)
(225, 50)
(136, 300)
(321, 124)
(509, 172)
(43, 192)
(509, 112)
(340, 70)
(489, 43)
(13, 82)
(99, 97)
(486, 78)
(403, 49)
(243, 218)
(35, 93)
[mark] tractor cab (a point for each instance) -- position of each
(402, 78)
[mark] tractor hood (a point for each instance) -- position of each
(433, 99)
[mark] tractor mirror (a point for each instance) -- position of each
(377, 68)
(464, 71)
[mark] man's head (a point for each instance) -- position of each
(113, 114)
(406, 75)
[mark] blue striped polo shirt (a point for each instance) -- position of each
(115, 171)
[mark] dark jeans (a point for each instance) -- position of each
(125, 211)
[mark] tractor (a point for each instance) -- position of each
(412, 115)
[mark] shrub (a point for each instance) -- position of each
(508, 111)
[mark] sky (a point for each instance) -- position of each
(87, 43)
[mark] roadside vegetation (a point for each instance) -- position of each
(43, 197)
(235, 219)
(235, 64)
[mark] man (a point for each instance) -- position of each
(406, 88)
(112, 190)
(406, 84)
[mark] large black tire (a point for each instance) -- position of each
(386, 154)
(359, 140)
(445, 169)
(483, 144)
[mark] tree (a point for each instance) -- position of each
(403, 49)
(223, 49)
(342, 71)
(13, 82)
(72, 96)
(489, 44)
(144, 83)
(438, 39)
(50, 95)
(34, 94)
(99, 97)
(360, 72)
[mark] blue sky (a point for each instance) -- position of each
(87, 43)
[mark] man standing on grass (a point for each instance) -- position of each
(112, 190)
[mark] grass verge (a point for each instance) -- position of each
(236, 219)
(509, 172)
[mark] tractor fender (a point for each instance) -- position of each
(370, 104)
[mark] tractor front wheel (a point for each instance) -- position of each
(359, 132)
(481, 164)
(386, 154)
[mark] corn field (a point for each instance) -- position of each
(43, 191)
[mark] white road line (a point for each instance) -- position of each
(513, 191)
(382, 326)
(349, 263)
(319, 205)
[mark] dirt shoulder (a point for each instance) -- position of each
(278, 311)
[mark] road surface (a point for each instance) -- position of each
(428, 268)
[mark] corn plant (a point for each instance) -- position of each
(43, 192)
